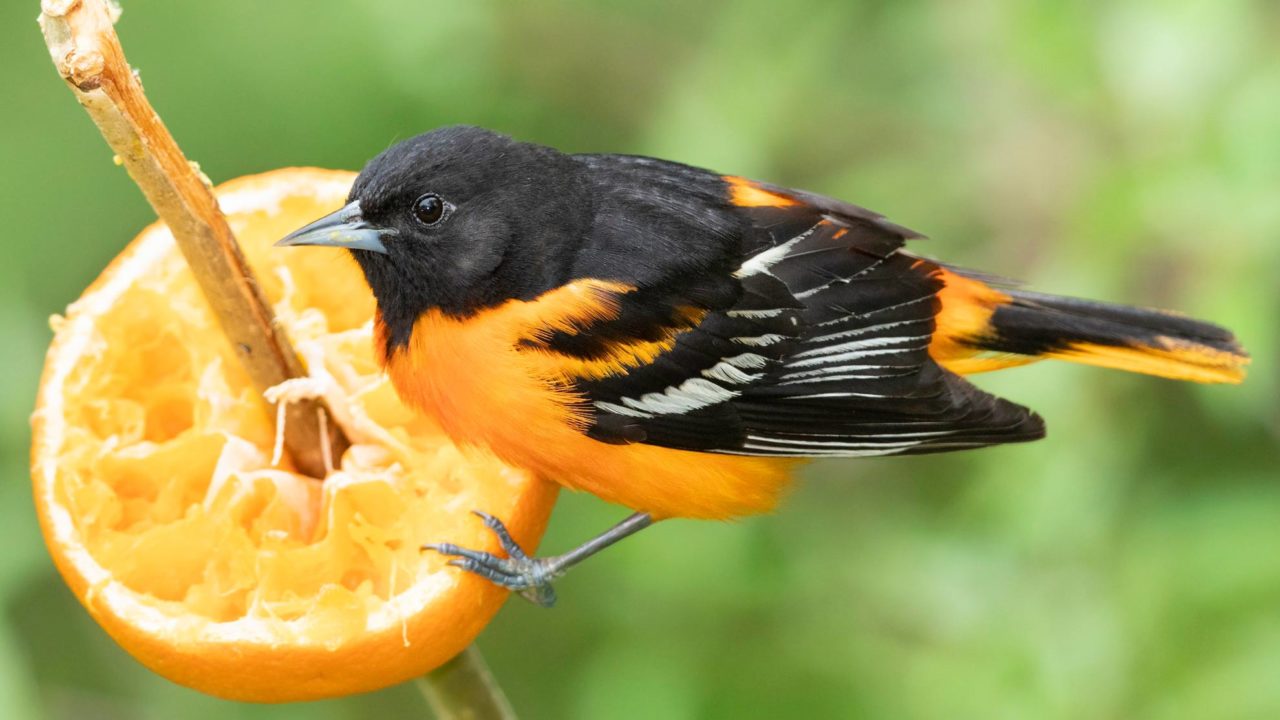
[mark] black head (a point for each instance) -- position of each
(458, 219)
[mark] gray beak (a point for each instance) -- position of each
(345, 228)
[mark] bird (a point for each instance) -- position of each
(678, 341)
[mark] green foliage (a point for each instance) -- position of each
(1126, 567)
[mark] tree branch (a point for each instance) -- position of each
(464, 689)
(87, 53)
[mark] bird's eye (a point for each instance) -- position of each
(429, 209)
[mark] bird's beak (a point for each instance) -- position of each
(345, 228)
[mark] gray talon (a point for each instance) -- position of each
(530, 577)
(507, 542)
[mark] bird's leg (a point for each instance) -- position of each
(532, 576)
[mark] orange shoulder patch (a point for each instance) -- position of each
(745, 193)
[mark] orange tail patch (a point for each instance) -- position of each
(981, 328)
(964, 318)
(1175, 360)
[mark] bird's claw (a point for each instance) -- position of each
(529, 576)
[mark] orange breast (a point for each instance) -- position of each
(489, 389)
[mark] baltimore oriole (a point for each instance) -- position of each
(676, 341)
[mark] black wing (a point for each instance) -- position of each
(791, 324)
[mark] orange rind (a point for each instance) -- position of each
(173, 517)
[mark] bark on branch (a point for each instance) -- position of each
(86, 52)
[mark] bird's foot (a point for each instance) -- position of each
(529, 576)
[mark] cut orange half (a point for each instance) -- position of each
(210, 563)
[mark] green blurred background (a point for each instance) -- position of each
(1126, 567)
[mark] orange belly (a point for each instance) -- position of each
(487, 390)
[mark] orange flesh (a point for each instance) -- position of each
(161, 506)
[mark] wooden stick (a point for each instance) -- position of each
(86, 51)
(464, 689)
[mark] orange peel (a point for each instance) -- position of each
(154, 480)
